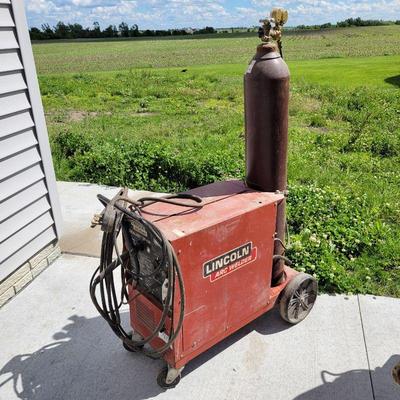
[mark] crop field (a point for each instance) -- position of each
(111, 55)
(168, 115)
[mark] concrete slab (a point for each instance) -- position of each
(78, 205)
(55, 346)
(382, 334)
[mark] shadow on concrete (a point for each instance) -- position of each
(268, 324)
(346, 386)
(87, 361)
(393, 80)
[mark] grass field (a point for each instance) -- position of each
(115, 118)
(114, 55)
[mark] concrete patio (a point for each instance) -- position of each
(55, 346)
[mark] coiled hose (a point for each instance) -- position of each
(102, 281)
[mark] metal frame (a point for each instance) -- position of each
(21, 27)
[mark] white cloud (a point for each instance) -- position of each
(40, 6)
(163, 14)
(84, 3)
(320, 11)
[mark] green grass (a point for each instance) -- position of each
(78, 56)
(164, 129)
(348, 72)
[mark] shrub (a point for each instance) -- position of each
(70, 143)
(329, 232)
(317, 121)
(142, 164)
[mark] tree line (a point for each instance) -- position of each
(365, 22)
(77, 31)
(349, 22)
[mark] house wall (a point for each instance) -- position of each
(30, 217)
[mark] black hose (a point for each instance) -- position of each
(109, 306)
(278, 257)
(146, 201)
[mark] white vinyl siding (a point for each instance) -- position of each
(10, 61)
(6, 20)
(8, 39)
(15, 123)
(14, 81)
(28, 206)
(18, 142)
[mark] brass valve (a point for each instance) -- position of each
(96, 220)
(272, 27)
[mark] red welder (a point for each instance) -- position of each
(197, 266)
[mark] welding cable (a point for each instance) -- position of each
(280, 241)
(103, 277)
(277, 257)
(146, 201)
(172, 260)
(109, 309)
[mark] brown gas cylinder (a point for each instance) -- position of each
(266, 88)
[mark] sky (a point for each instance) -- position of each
(165, 14)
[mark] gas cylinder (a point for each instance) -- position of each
(266, 87)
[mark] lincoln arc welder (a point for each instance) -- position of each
(197, 266)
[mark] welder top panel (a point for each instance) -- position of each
(222, 201)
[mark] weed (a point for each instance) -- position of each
(163, 130)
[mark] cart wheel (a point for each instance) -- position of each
(298, 298)
(162, 379)
(396, 373)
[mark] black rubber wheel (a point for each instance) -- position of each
(298, 298)
(161, 379)
(396, 373)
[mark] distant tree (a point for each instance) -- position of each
(96, 31)
(207, 29)
(110, 31)
(148, 32)
(61, 31)
(36, 34)
(160, 33)
(134, 31)
(361, 22)
(76, 31)
(48, 32)
(179, 32)
(123, 29)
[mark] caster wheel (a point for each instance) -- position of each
(298, 298)
(162, 379)
(396, 373)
